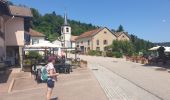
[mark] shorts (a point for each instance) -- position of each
(50, 83)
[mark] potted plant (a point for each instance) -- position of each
(83, 63)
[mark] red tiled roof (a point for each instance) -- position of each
(73, 38)
(89, 33)
(35, 33)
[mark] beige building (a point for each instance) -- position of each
(12, 28)
(123, 36)
(98, 39)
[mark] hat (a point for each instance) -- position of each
(51, 58)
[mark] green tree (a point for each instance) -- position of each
(120, 29)
(124, 47)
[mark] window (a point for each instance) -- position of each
(105, 32)
(98, 48)
(67, 29)
(88, 42)
(105, 48)
(105, 42)
(97, 42)
(35, 41)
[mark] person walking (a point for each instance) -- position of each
(52, 76)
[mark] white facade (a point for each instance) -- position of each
(66, 34)
(57, 42)
(73, 44)
(36, 40)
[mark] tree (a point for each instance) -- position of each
(125, 47)
(120, 29)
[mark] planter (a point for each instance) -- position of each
(83, 63)
(27, 68)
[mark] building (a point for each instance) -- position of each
(13, 21)
(98, 39)
(123, 36)
(34, 37)
(66, 34)
(73, 41)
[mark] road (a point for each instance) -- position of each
(125, 80)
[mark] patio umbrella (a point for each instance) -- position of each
(167, 49)
(154, 48)
(44, 44)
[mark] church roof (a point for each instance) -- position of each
(65, 20)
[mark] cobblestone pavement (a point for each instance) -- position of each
(130, 81)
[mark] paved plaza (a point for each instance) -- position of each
(125, 80)
(79, 85)
(104, 79)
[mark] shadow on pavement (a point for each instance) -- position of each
(56, 98)
(4, 75)
(160, 66)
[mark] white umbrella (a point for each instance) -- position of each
(154, 48)
(44, 44)
(167, 49)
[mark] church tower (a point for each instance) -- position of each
(66, 33)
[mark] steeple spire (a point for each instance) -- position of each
(65, 19)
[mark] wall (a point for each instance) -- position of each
(85, 43)
(101, 36)
(1, 47)
(1, 42)
(15, 32)
(1, 38)
(123, 37)
(39, 39)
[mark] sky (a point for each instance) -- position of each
(147, 19)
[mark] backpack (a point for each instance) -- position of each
(44, 74)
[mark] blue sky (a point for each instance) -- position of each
(148, 19)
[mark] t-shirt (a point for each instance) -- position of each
(49, 67)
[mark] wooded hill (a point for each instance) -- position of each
(50, 24)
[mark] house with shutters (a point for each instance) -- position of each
(98, 39)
